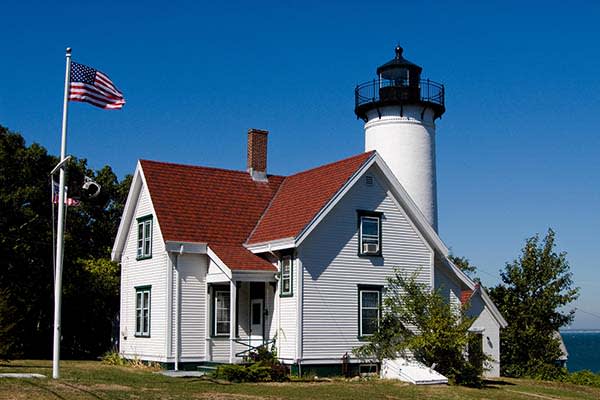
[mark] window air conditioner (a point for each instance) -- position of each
(370, 248)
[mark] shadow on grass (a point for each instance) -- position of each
(211, 380)
(495, 384)
(44, 388)
(83, 390)
(10, 365)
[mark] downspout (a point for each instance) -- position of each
(299, 310)
(278, 299)
(169, 322)
(177, 306)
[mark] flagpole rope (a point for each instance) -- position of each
(53, 229)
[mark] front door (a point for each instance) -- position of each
(256, 321)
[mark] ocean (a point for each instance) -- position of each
(584, 349)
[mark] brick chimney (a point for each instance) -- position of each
(257, 154)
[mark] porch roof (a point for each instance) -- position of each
(238, 258)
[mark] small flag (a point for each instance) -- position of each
(92, 86)
(72, 202)
(68, 201)
(54, 192)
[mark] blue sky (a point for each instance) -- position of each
(517, 149)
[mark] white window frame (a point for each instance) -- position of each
(366, 238)
(144, 238)
(142, 311)
(226, 295)
(361, 308)
(287, 276)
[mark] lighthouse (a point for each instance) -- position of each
(399, 109)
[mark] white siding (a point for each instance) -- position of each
(287, 319)
(449, 287)
(491, 334)
(333, 270)
(215, 274)
(219, 348)
(192, 322)
(136, 273)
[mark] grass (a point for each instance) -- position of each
(93, 380)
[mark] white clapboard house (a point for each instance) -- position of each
(215, 262)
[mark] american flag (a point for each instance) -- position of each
(92, 86)
(68, 200)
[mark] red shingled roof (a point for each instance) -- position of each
(465, 296)
(210, 205)
(302, 196)
(226, 208)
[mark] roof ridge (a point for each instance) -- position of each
(202, 167)
(332, 163)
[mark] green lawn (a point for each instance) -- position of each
(93, 380)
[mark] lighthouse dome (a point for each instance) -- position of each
(399, 68)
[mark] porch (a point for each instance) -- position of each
(239, 318)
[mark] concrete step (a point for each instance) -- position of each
(212, 363)
(209, 367)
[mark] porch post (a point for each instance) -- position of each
(208, 326)
(232, 312)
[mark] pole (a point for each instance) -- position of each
(60, 226)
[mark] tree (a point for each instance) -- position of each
(535, 289)
(25, 244)
(26, 250)
(420, 322)
(463, 264)
(10, 321)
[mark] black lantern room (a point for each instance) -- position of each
(398, 82)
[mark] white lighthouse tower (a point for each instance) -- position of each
(399, 109)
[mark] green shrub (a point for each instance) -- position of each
(262, 353)
(231, 372)
(256, 372)
(279, 372)
(585, 377)
(244, 373)
(113, 357)
(469, 375)
(547, 372)
(259, 372)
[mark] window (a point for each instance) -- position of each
(286, 276)
(369, 233)
(369, 301)
(222, 301)
(142, 311)
(144, 242)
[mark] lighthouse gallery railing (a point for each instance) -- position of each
(370, 92)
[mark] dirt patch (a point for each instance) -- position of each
(294, 384)
(108, 386)
(535, 395)
(231, 396)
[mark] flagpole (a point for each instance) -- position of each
(60, 226)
